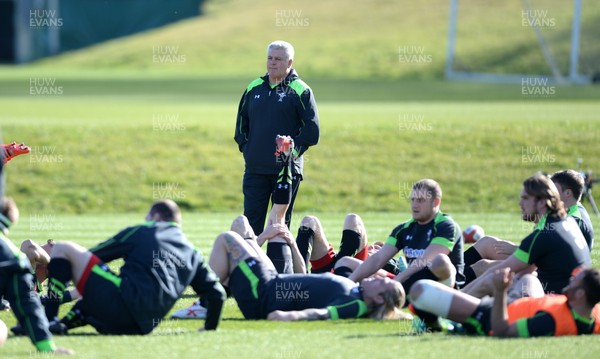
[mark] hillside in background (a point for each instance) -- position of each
(119, 129)
(383, 39)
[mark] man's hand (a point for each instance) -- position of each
(62, 351)
(306, 314)
(272, 231)
(502, 279)
(8, 152)
(280, 315)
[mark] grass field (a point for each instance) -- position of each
(252, 339)
(112, 130)
(114, 144)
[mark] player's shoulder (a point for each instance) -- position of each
(255, 83)
(444, 220)
(299, 86)
(403, 226)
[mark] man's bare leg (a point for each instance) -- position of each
(437, 299)
(68, 261)
(229, 250)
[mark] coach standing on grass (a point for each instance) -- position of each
(278, 103)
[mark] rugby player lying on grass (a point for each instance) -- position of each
(574, 312)
(262, 293)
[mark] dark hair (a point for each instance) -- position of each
(167, 210)
(591, 285)
(541, 187)
(570, 179)
(432, 187)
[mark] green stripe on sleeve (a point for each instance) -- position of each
(46, 345)
(333, 313)
(107, 275)
(522, 329)
(444, 242)
(334, 309)
(521, 255)
(254, 83)
(299, 86)
(391, 241)
(252, 278)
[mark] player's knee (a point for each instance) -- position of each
(66, 249)
(353, 222)
(441, 266)
(485, 245)
(416, 290)
(311, 222)
(527, 285)
(349, 262)
(431, 296)
(227, 238)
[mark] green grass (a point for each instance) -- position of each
(127, 130)
(237, 338)
(114, 144)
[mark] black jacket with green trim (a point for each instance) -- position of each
(264, 112)
(16, 286)
(159, 264)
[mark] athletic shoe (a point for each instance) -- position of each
(285, 147)
(13, 150)
(56, 327)
(4, 305)
(18, 330)
(195, 311)
(458, 328)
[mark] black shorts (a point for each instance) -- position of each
(248, 283)
(480, 322)
(102, 305)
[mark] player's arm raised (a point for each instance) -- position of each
(500, 327)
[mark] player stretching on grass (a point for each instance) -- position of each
(431, 241)
(573, 312)
(159, 263)
(555, 247)
(281, 247)
(16, 280)
(262, 293)
(570, 185)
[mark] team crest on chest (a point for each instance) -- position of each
(281, 96)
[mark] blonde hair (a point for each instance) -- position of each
(393, 301)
